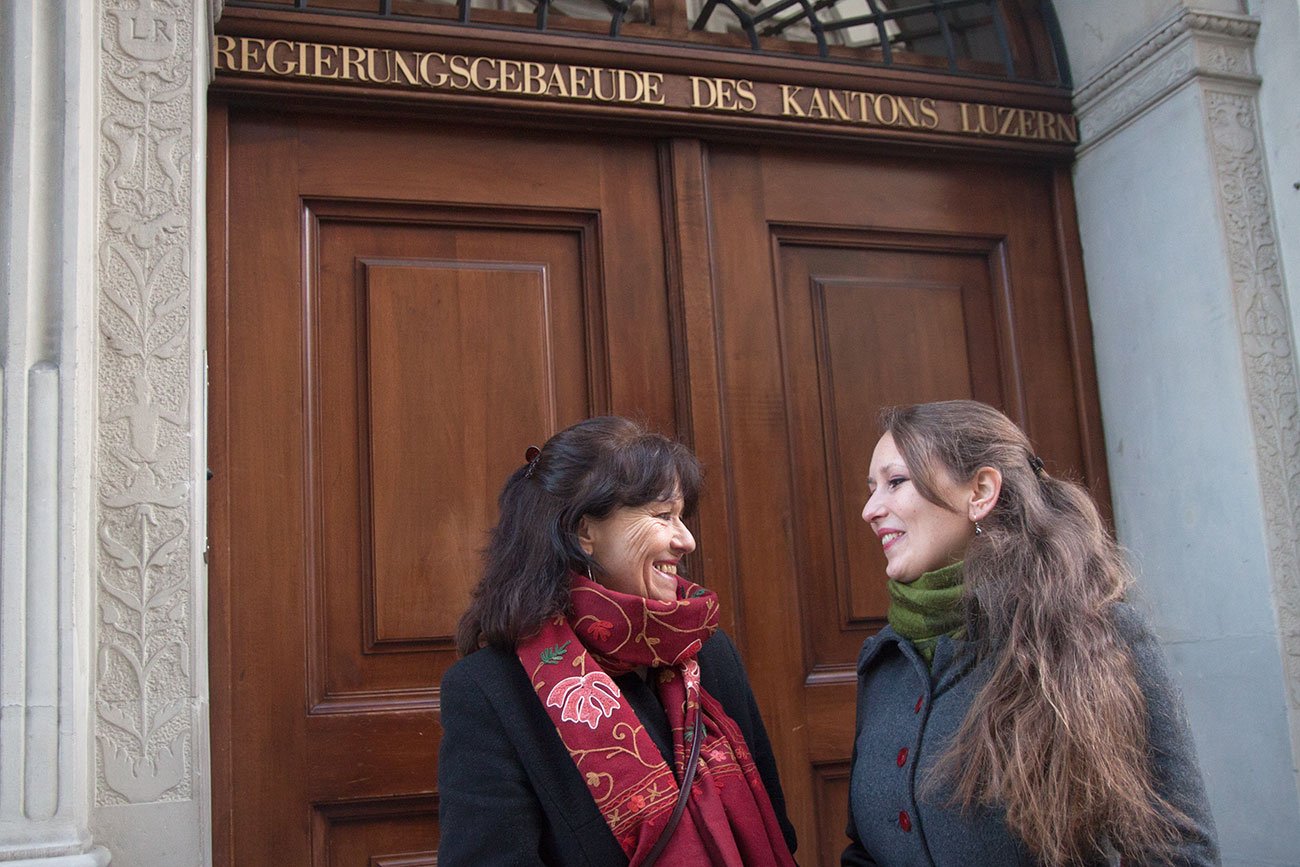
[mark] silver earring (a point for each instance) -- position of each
(589, 578)
(979, 531)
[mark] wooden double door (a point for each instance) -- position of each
(398, 309)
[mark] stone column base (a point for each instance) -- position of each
(52, 844)
(97, 857)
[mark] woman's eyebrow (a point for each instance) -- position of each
(886, 470)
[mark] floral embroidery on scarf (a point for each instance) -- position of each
(691, 674)
(585, 699)
(553, 654)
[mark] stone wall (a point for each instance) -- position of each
(1196, 366)
(47, 168)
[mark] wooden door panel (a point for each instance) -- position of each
(438, 342)
(422, 401)
(397, 334)
(613, 182)
(1047, 377)
(831, 793)
(846, 285)
(392, 833)
(868, 319)
(260, 397)
(366, 754)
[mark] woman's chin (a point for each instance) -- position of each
(901, 575)
(661, 587)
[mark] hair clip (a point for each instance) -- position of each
(531, 454)
(1036, 464)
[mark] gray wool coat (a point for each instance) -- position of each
(907, 715)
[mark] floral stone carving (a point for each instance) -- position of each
(144, 697)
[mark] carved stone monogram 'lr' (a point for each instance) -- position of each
(146, 581)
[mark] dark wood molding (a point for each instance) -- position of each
(1070, 252)
(693, 297)
(220, 649)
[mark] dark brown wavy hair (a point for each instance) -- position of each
(590, 468)
(1057, 736)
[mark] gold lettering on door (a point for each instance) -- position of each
(529, 79)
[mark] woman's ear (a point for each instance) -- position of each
(985, 487)
(584, 535)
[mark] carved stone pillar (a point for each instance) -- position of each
(46, 402)
(151, 801)
(1197, 368)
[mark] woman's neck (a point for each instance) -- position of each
(924, 610)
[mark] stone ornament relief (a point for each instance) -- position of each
(1110, 110)
(144, 690)
(1237, 28)
(1189, 45)
(1269, 350)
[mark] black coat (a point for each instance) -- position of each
(508, 791)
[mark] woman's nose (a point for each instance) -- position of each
(683, 540)
(873, 509)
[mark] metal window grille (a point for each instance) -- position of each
(985, 38)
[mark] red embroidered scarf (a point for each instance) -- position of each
(729, 818)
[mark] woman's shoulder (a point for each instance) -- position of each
(719, 648)
(721, 668)
(1164, 700)
(1128, 618)
(483, 659)
(874, 644)
(722, 673)
(1134, 628)
(483, 667)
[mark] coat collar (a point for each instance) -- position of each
(953, 659)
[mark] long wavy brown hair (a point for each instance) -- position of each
(1057, 736)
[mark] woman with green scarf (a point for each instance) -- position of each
(1016, 710)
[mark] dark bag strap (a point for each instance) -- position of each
(688, 777)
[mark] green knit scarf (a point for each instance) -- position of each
(924, 610)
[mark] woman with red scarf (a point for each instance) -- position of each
(598, 716)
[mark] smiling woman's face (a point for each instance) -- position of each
(917, 535)
(637, 548)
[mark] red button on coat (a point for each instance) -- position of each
(902, 757)
(904, 821)
(919, 699)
